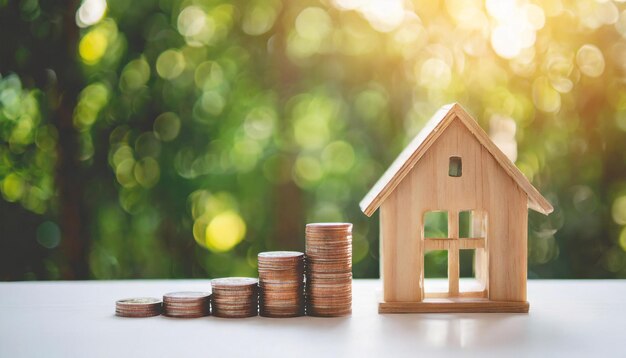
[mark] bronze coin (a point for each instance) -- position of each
(186, 296)
(138, 302)
(138, 307)
(235, 315)
(137, 315)
(278, 255)
(233, 282)
(328, 226)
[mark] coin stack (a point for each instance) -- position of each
(329, 269)
(187, 304)
(138, 307)
(281, 284)
(235, 297)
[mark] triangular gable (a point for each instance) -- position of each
(420, 145)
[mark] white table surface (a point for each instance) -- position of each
(76, 319)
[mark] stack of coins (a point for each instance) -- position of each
(235, 297)
(138, 307)
(329, 269)
(187, 304)
(281, 284)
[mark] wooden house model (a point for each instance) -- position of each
(453, 166)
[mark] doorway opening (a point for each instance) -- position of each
(435, 260)
(455, 260)
(472, 254)
(436, 272)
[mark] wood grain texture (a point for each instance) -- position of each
(478, 228)
(406, 160)
(421, 144)
(453, 253)
(445, 243)
(454, 305)
(401, 245)
(507, 243)
(470, 294)
(428, 187)
(498, 226)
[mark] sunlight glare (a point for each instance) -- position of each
(506, 41)
(225, 231)
(93, 46)
(502, 133)
(501, 9)
(516, 26)
(170, 64)
(535, 16)
(383, 16)
(590, 60)
(620, 24)
(435, 73)
(90, 12)
(545, 97)
(467, 14)
(191, 21)
(313, 23)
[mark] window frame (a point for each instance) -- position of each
(455, 166)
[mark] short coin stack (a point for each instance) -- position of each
(138, 307)
(281, 283)
(235, 297)
(187, 304)
(329, 269)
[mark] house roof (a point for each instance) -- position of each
(420, 145)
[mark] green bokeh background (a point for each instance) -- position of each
(166, 138)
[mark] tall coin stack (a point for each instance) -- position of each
(187, 304)
(281, 284)
(235, 297)
(329, 269)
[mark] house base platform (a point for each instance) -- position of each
(454, 305)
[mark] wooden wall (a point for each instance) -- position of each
(484, 186)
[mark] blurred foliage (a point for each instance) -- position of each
(185, 136)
